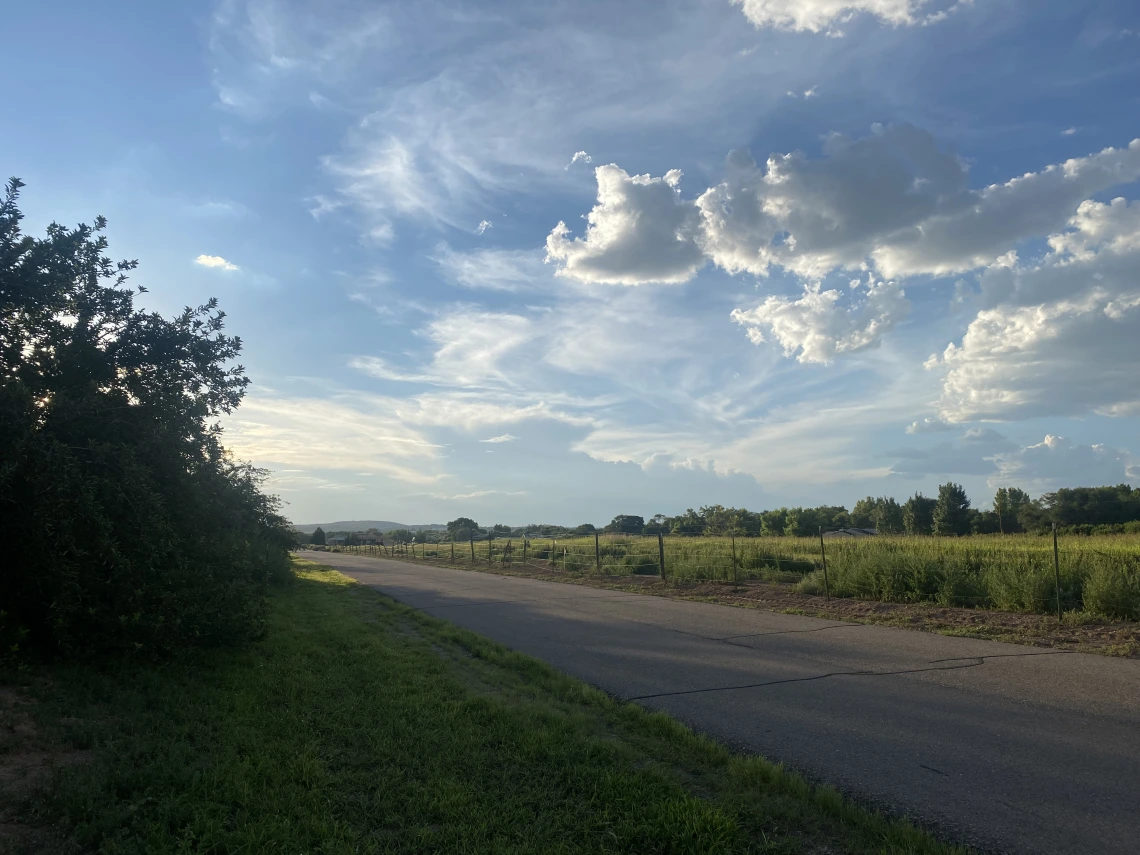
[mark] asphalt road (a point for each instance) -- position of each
(1008, 748)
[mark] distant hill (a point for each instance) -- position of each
(364, 525)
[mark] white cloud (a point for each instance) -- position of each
(215, 261)
(483, 226)
(506, 437)
(829, 15)
(817, 328)
(579, 157)
(639, 231)
(1056, 462)
(810, 93)
(928, 425)
(1061, 337)
(361, 433)
(893, 200)
(495, 269)
(1068, 132)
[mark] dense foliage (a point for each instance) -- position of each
(125, 522)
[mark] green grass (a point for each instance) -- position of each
(360, 726)
(1100, 574)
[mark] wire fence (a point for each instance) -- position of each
(1020, 573)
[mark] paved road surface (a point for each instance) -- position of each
(1010, 748)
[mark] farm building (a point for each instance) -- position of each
(851, 532)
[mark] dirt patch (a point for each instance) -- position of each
(1077, 632)
(27, 761)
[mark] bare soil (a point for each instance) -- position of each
(28, 760)
(1079, 631)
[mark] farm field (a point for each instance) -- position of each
(1096, 575)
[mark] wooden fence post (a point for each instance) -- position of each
(661, 554)
(490, 540)
(524, 550)
(472, 549)
(823, 554)
(597, 554)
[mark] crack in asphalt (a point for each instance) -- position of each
(1004, 656)
(808, 680)
(785, 632)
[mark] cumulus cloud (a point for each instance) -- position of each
(894, 200)
(639, 231)
(506, 437)
(1061, 337)
(818, 328)
(830, 15)
(579, 157)
(215, 261)
(1056, 462)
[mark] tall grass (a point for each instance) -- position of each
(1099, 573)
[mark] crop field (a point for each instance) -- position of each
(1098, 574)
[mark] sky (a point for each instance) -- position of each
(553, 262)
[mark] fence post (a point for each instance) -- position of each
(597, 554)
(823, 555)
(472, 549)
(554, 553)
(1057, 571)
(490, 549)
(661, 555)
(507, 553)
(735, 577)
(524, 551)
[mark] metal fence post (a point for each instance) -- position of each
(823, 555)
(1057, 571)
(735, 577)
(661, 554)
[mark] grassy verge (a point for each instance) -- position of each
(360, 726)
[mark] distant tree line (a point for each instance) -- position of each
(125, 523)
(949, 513)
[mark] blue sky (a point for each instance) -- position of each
(559, 261)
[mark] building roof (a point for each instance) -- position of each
(851, 532)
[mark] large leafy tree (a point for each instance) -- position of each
(918, 514)
(124, 520)
(951, 511)
(1009, 502)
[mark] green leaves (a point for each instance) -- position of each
(116, 495)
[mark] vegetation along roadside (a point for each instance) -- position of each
(359, 725)
(1080, 630)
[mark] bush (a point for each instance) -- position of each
(126, 523)
(1114, 591)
